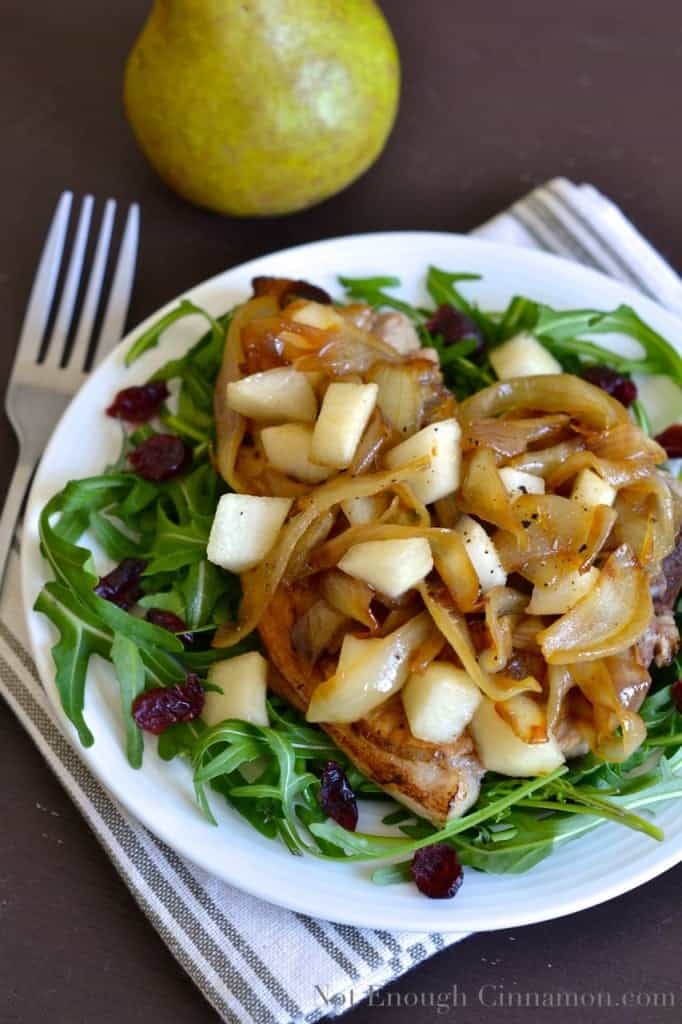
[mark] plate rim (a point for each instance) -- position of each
(359, 916)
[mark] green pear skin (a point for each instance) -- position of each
(262, 107)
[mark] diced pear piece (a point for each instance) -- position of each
(501, 750)
(244, 529)
(365, 509)
(440, 702)
(274, 396)
(243, 681)
(560, 595)
(589, 489)
(317, 314)
(482, 553)
(390, 566)
(441, 442)
(368, 673)
(523, 356)
(346, 408)
(517, 482)
(287, 449)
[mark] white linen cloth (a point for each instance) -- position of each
(253, 961)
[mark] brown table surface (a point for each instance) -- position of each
(497, 97)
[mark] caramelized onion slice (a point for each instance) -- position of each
(409, 507)
(318, 630)
(545, 461)
(559, 682)
(597, 685)
(454, 567)
(350, 350)
(525, 633)
(558, 585)
(512, 437)
(626, 441)
(646, 519)
(350, 596)
(554, 526)
(551, 393)
(455, 630)
(483, 494)
(502, 607)
(617, 473)
(318, 531)
(403, 388)
(376, 437)
(259, 584)
(368, 673)
(611, 617)
(230, 426)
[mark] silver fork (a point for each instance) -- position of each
(40, 388)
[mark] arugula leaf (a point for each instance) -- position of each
(360, 846)
(200, 661)
(440, 285)
(177, 545)
(94, 492)
(371, 291)
(72, 525)
(141, 495)
(130, 673)
(150, 338)
(203, 585)
(561, 331)
(80, 636)
(196, 494)
(113, 541)
(68, 561)
(520, 315)
(180, 739)
(641, 416)
(166, 600)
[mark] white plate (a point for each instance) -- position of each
(579, 874)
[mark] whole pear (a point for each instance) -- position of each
(259, 107)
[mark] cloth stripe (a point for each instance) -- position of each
(228, 929)
(560, 231)
(230, 943)
(24, 705)
(627, 271)
(126, 835)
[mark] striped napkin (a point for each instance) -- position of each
(252, 961)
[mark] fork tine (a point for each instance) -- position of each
(91, 300)
(40, 301)
(116, 312)
(54, 349)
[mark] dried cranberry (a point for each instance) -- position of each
(138, 404)
(122, 585)
(173, 623)
(451, 326)
(671, 440)
(676, 694)
(156, 710)
(614, 383)
(337, 798)
(437, 871)
(160, 457)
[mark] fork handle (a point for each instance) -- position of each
(23, 471)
